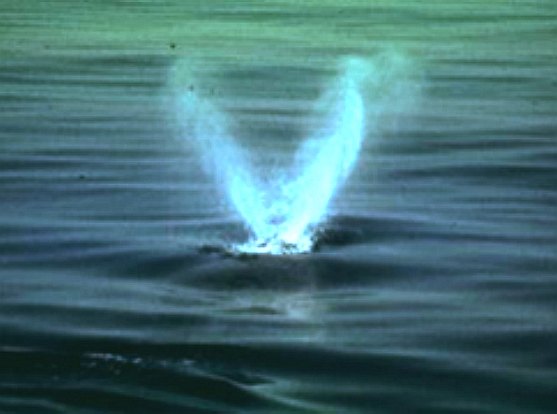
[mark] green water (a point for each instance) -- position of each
(434, 286)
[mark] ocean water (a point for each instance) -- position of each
(432, 286)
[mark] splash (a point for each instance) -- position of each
(282, 214)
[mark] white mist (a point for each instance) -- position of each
(282, 215)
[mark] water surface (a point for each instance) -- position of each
(433, 289)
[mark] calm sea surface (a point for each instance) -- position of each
(434, 288)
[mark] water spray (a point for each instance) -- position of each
(282, 217)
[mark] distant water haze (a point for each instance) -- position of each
(282, 209)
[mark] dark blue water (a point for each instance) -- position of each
(433, 286)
